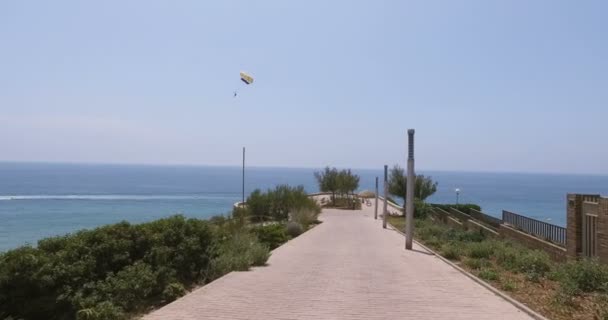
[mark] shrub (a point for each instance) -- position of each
(102, 311)
(509, 285)
(294, 229)
(259, 254)
(480, 250)
(278, 202)
(173, 291)
(109, 271)
(586, 275)
(238, 253)
(128, 288)
(304, 216)
(507, 257)
(534, 264)
(421, 209)
(428, 230)
(488, 274)
(471, 236)
(433, 242)
(272, 235)
(566, 292)
(451, 251)
(476, 264)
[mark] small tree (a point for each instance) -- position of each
(397, 184)
(347, 182)
(328, 181)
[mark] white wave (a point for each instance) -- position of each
(109, 197)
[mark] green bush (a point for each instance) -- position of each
(173, 291)
(102, 311)
(116, 270)
(276, 203)
(476, 264)
(534, 264)
(238, 253)
(587, 275)
(507, 257)
(128, 288)
(480, 250)
(433, 242)
(272, 235)
(470, 236)
(304, 216)
(421, 209)
(488, 274)
(509, 285)
(429, 230)
(294, 229)
(451, 251)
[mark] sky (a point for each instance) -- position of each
(513, 85)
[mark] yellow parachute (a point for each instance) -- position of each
(246, 78)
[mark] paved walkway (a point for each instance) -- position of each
(348, 267)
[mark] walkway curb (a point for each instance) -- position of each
(484, 284)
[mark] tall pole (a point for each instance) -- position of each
(376, 209)
(243, 190)
(409, 192)
(385, 211)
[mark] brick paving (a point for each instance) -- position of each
(348, 267)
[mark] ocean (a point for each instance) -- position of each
(39, 200)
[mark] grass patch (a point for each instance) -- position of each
(489, 274)
(451, 251)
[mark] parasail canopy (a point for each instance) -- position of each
(246, 78)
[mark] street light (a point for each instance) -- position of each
(457, 190)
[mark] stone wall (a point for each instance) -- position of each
(555, 252)
(602, 229)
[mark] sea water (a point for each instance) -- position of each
(40, 200)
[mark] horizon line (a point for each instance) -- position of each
(290, 167)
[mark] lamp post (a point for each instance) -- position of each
(376, 207)
(457, 190)
(385, 211)
(243, 180)
(409, 192)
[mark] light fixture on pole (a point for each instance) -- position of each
(457, 190)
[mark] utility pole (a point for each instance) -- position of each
(409, 192)
(385, 211)
(376, 209)
(243, 190)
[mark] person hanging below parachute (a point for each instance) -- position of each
(246, 78)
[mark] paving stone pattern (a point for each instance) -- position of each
(348, 267)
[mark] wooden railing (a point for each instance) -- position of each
(539, 229)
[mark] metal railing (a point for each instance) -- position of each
(539, 229)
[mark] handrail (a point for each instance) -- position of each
(540, 229)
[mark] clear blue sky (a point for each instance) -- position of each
(488, 85)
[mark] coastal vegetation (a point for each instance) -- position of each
(397, 184)
(118, 271)
(577, 289)
(341, 184)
